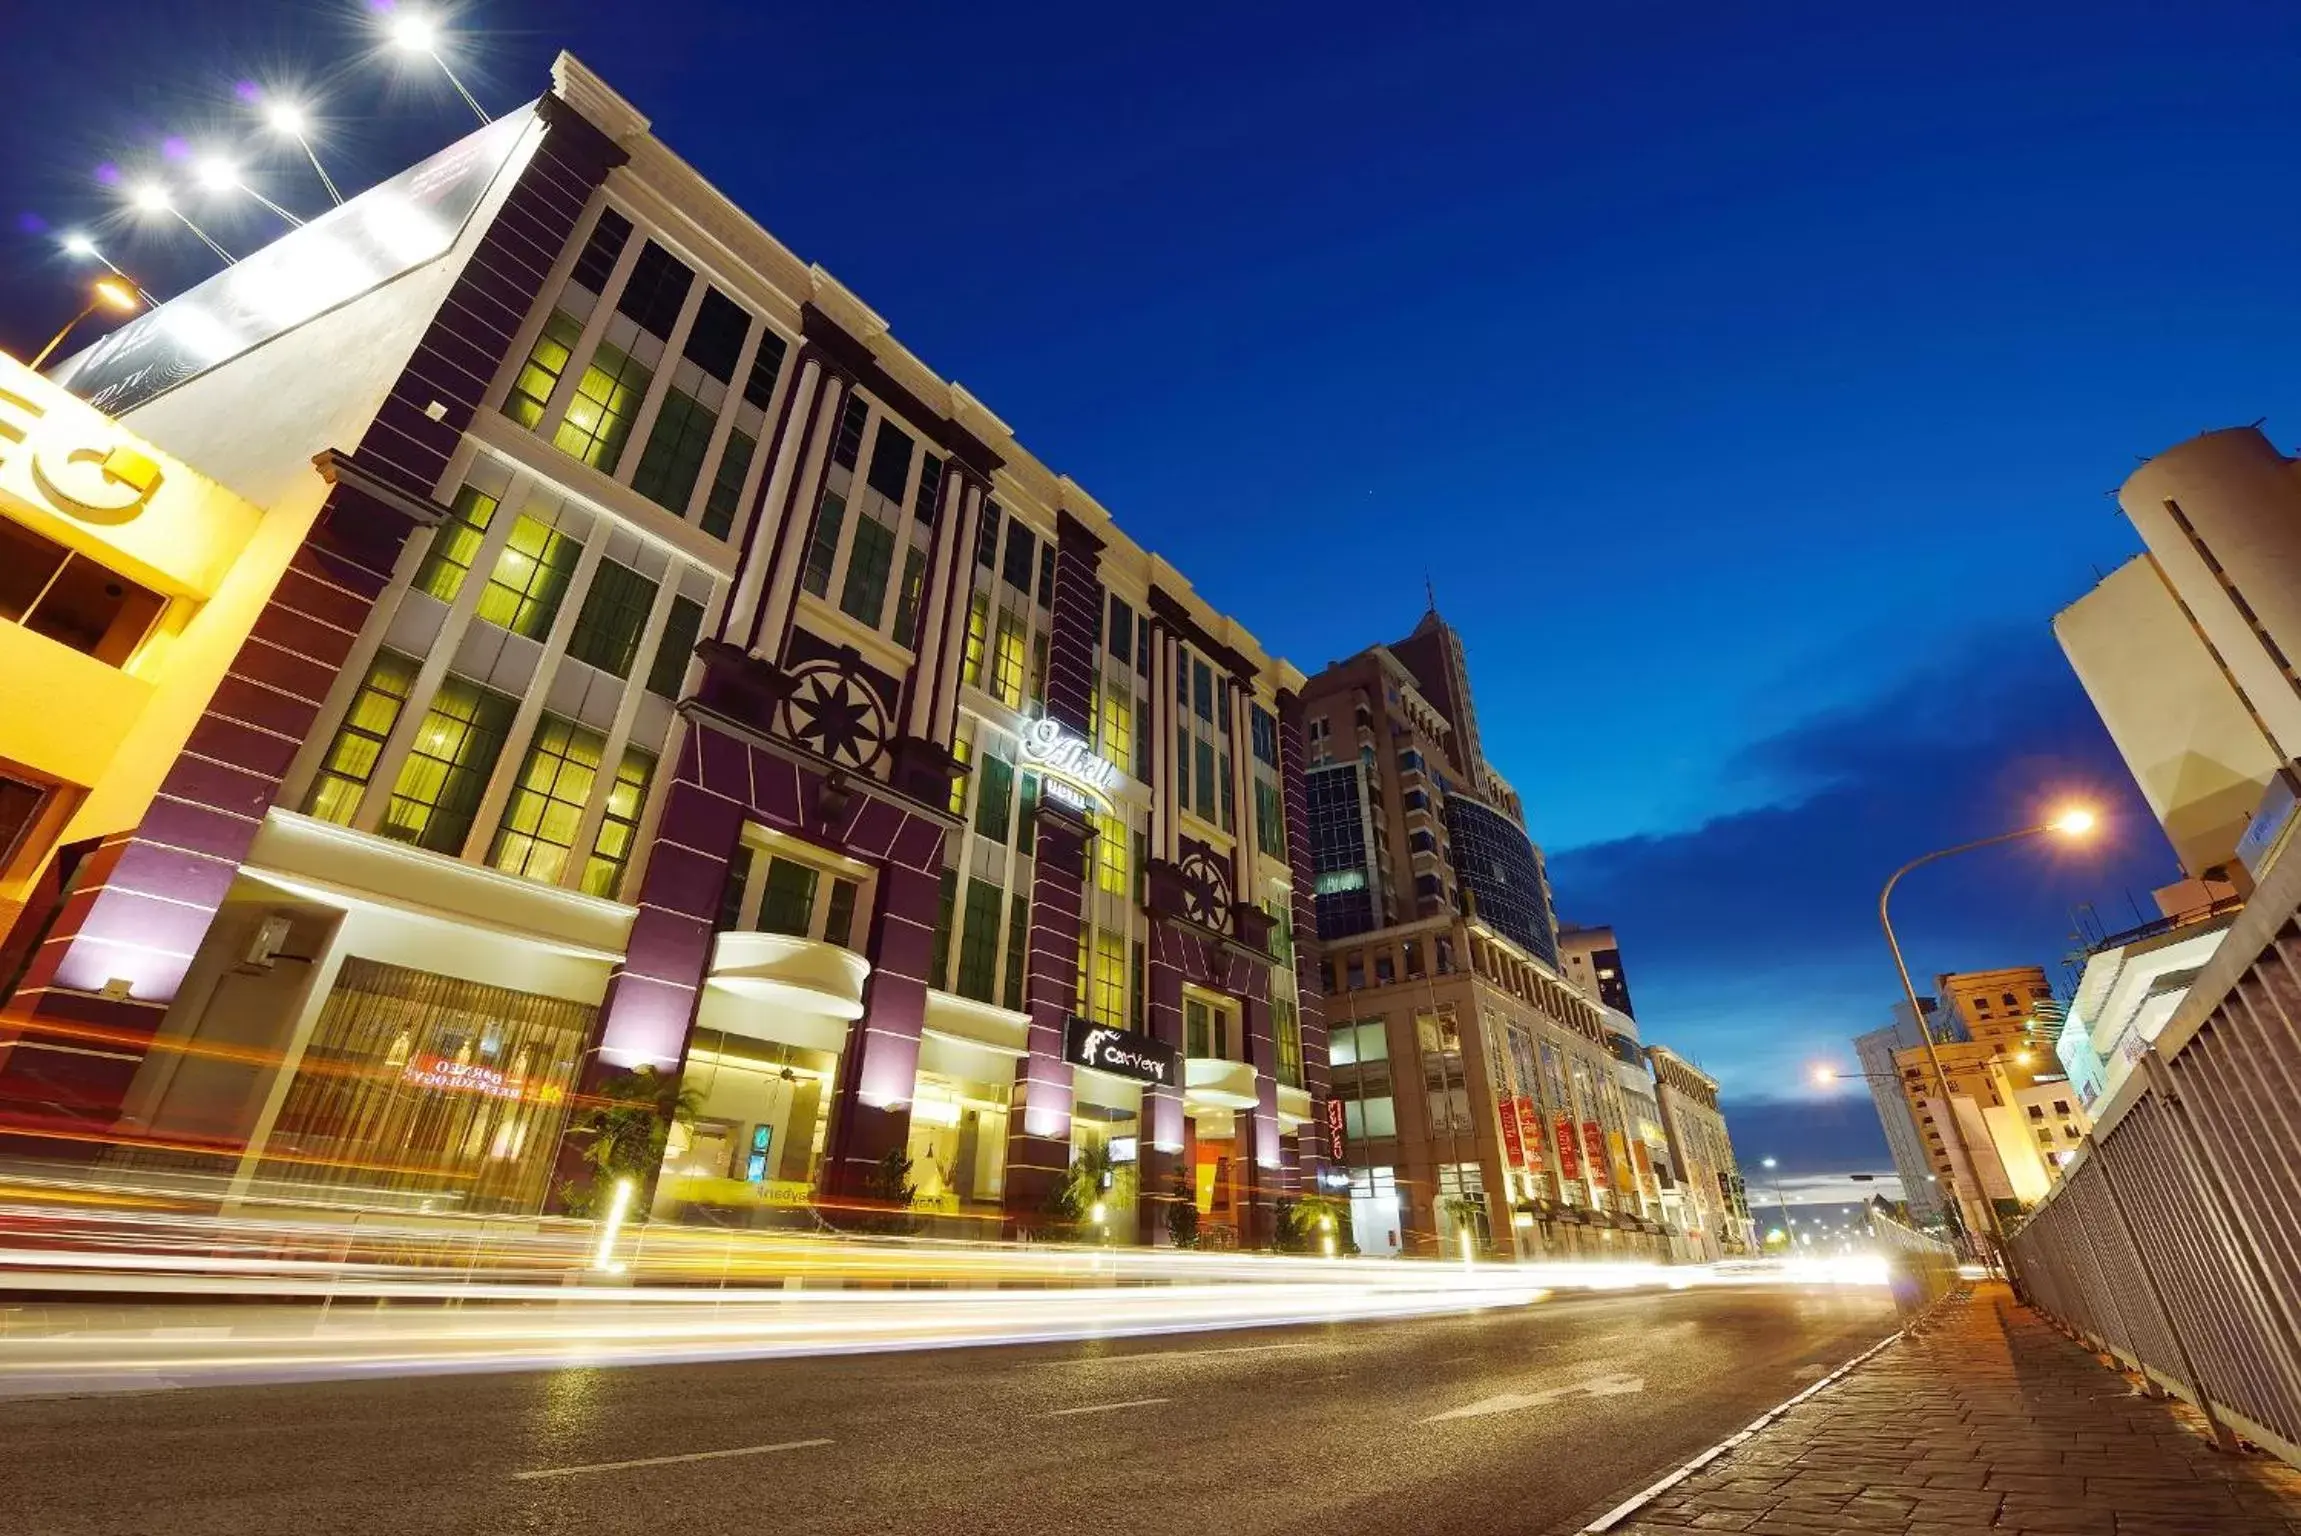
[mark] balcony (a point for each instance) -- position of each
(1212, 1083)
(802, 975)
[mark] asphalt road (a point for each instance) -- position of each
(1529, 1419)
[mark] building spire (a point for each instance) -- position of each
(1429, 591)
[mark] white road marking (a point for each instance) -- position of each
(1512, 1402)
(1140, 1402)
(1165, 1354)
(665, 1461)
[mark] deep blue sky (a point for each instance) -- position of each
(1751, 387)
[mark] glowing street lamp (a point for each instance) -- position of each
(151, 197)
(108, 293)
(288, 120)
(77, 244)
(413, 33)
(220, 175)
(2074, 821)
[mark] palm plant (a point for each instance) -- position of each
(625, 1127)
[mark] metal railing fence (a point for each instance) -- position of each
(1924, 1267)
(2172, 1242)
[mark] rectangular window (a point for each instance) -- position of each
(890, 472)
(978, 630)
(839, 914)
(1269, 820)
(1262, 725)
(996, 780)
(1118, 720)
(1036, 687)
(1110, 995)
(766, 366)
(351, 760)
(1047, 575)
(726, 498)
(672, 461)
(907, 595)
(926, 501)
(539, 823)
(731, 891)
(987, 537)
(657, 290)
(864, 595)
(668, 672)
(946, 912)
(597, 263)
(71, 599)
(1022, 552)
(1182, 766)
(979, 941)
(1202, 690)
(788, 904)
(1369, 1117)
(1204, 798)
(962, 753)
(598, 419)
(1122, 630)
(848, 445)
(614, 617)
(446, 771)
(1111, 854)
(540, 375)
(530, 579)
(1018, 950)
(715, 340)
(455, 545)
(1229, 794)
(1286, 1024)
(823, 552)
(1007, 660)
(1027, 818)
(619, 827)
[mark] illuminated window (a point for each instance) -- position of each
(540, 375)
(863, 596)
(351, 760)
(1209, 1031)
(978, 630)
(599, 417)
(727, 484)
(1118, 742)
(619, 827)
(540, 823)
(680, 631)
(530, 579)
(1110, 994)
(823, 552)
(614, 616)
(1286, 1023)
(440, 785)
(962, 751)
(455, 545)
(979, 940)
(673, 458)
(1111, 854)
(1007, 660)
(1018, 936)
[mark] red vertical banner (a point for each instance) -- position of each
(1569, 1151)
(1512, 1147)
(1594, 1143)
(1334, 1128)
(1530, 1133)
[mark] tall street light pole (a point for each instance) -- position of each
(2071, 823)
(109, 293)
(1781, 1200)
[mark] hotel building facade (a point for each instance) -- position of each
(1481, 1092)
(680, 676)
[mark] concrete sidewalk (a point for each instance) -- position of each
(1983, 1419)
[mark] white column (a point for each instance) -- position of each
(758, 541)
(783, 581)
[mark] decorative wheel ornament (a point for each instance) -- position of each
(1205, 891)
(833, 711)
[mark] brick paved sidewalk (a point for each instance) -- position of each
(1984, 1419)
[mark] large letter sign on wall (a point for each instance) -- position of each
(1071, 770)
(1120, 1052)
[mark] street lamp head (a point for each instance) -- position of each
(1824, 1076)
(116, 293)
(77, 244)
(2074, 822)
(286, 117)
(2024, 1058)
(151, 197)
(217, 174)
(413, 33)
(1765, 1162)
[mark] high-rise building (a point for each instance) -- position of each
(1717, 1199)
(2200, 756)
(677, 673)
(1482, 1092)
(1882, 1075)
(1592, 961)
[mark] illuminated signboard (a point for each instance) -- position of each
(469, 1077)
(1530, 1133)
(1334, 1119)
(1070, 773)
(345, 252)
(1594, 1143)
(1513, 1146)
(1120, 1052)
